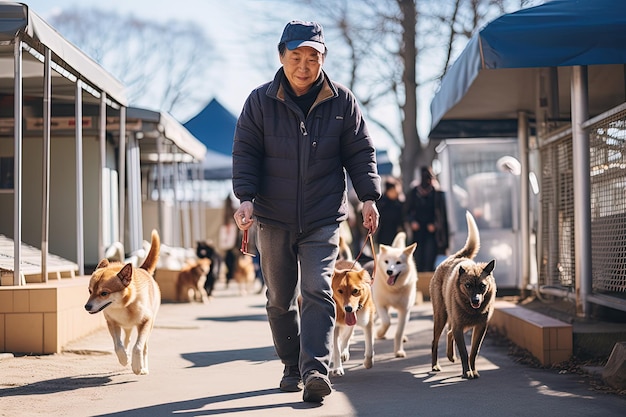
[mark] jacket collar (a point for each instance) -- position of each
(277, 91)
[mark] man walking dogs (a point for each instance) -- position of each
(295, 139)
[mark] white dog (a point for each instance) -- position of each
(394, 286)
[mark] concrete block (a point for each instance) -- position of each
(166, 278)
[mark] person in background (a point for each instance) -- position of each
(295, 139)
(390, 207)
(427, 219)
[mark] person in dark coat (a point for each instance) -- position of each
(296, 138)
(426, 217)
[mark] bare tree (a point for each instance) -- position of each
(163, 65)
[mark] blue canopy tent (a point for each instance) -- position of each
(214, 126)
(495, 76)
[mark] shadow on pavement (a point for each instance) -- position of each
(197, 407)
(204, 359)
(53, 386)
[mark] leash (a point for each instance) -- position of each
(371, 240)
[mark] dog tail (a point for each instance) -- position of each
(472, 244)
(149, 264)
(399, 241)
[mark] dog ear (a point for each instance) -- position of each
(461, 271)
(364, 275)
(103, 263)
(126, 274)
(489, 268)
(410, 249)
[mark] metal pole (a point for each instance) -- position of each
(122, 175)
(159, 179)
(101, 199)
(582, 208)
(80, 217)
(134, 195)
(17, 165)
(45, 210)
(522, 138)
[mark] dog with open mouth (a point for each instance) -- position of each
(354, 307)
(129, 298)
(395, 286)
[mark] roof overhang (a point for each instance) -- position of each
(19, 23)
(499, 73)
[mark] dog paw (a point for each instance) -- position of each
(401, 354)
(470, 375)
(452, 358)
(122, 356)
(380, 335)
(368, 362)
(436, 368)
(141, 371)
(405, 339)
(345, 356)
(139, 368)
(337, 372)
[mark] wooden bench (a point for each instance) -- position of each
(548, 339)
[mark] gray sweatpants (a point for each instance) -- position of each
(294, 263)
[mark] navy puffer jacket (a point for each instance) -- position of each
(292, 166)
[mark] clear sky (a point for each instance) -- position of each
(233, 25)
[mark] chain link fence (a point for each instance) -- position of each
(607, 155)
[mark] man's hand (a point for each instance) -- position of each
(370, 216)
(243, 215)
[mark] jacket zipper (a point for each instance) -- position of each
(304, 133)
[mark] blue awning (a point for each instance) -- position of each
(495, 75)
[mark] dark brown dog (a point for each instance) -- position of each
(463, 294)
(192, 277)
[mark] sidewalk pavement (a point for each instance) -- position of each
(218, 359)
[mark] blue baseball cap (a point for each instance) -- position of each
(299, 33)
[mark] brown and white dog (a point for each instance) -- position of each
(462, 293)
(354, 306)
(193, 277)
(129, 298)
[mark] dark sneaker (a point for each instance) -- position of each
(316, 387)
(292, 381)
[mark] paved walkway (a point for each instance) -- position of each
(218, 359)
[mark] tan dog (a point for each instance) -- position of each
(462, 294)
(354, 306)
(129, 297)
(244, 273)
(395, 287)
(192, 277)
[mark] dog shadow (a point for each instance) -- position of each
(57, 385)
